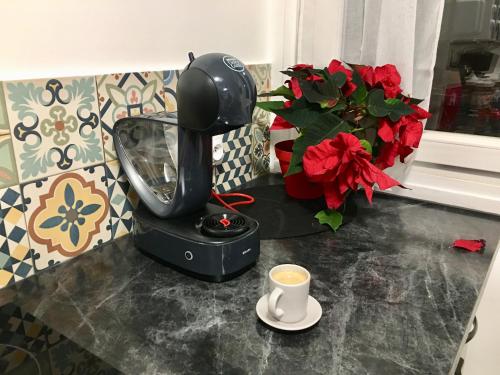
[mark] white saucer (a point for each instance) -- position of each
(314, 312)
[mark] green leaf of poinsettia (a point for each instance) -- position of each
(319, 92)
(359, 95)
(296, 73)
(380, 107)
(366, 145)
(300, 114)
(328, 125)
(371, 135)
(410, 100)
(317, 72)
(280, 91)
(340, 106)
(270, 105)
(416, 101)
(339, 78)
(376, 104)
(330, 103)
(397, 109)
(369, 122)
(330, 217)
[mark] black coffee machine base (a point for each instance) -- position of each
(183, 244)
(199, 276)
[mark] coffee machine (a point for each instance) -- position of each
(168, 160)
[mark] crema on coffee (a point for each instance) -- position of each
(289, 277)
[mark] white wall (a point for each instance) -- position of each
(54, 38)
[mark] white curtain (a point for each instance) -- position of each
(400, 32)
(319, 38)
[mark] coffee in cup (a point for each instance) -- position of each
(289, 285)
(289, 277)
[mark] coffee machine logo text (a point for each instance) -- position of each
(233, 63)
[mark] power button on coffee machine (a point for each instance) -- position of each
(188, 255)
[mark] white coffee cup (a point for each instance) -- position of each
(289, 292)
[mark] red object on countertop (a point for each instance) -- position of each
(297, 185)
(470, 245)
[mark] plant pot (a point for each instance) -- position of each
(297, 185)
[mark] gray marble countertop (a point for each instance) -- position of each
(396, 298)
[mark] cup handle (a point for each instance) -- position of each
(272, 303)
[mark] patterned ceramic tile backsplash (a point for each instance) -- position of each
(62, 191)
(54, 125)
(67, 214)
(236, 166)
(260, 128)
(170, 78)
(122, 95)
(8, 173)
(15, 257)
(122, 199)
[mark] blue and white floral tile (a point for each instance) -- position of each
(170, 78)
(261, 74)
(15, 258)
(261, 145)
(54, 125)
(236, 166)
(67, 215)
(122, 197)
(127, 94)
(8, 172)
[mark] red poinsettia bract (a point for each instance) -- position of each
(341, 164)
(279, 122)
(293, 82)
(349, 86)
(400, 137)
(470, 245)
(385, 76)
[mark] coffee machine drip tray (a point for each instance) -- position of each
(213, 244)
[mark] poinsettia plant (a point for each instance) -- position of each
(353, 122)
